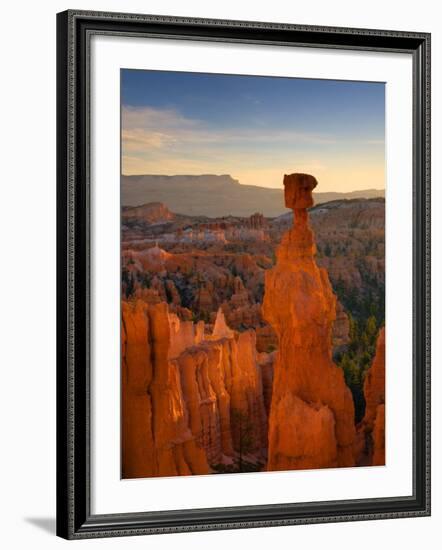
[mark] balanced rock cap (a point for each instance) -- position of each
(298, 190)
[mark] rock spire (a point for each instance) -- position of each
(311, 422)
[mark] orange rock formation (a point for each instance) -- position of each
(152, 212)
(157, 440)
(372, 427)
(311, 422)
(182, 391)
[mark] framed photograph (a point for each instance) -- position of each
(243, 274)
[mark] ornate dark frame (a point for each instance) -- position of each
(74, 518)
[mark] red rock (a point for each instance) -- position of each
(378, 435)
(374, 383)
(341, 328)
(257, 221)
(246, 390)
(156, 437)
(310, 442)
(183, 335)
(266, 339)
(311, 422)
(201, 401)
(221, 379)
(138, 451)
(221, 329)
(152, 212)
(182, 393)
(265, 362)
(371, 430)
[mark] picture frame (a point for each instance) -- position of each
(75, 519)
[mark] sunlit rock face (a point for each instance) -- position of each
(189, 399)
(221, 329)
(311, 421)
(157, 440)
(371, 431)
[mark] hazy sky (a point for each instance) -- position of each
(254, 128)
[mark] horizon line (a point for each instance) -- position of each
(244, 184)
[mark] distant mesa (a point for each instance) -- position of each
(152, 212)
(215, 195)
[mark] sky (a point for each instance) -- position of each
(254, 128)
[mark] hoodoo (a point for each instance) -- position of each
(372, 426)
(311, 422)
(191, 401)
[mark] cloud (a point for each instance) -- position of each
(139, 140)
(149, 117)
(163, 141)
(144, 127)
(156, 164)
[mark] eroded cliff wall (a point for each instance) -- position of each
(187, 397)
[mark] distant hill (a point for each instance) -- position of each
(216, 196)
(152, 212)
